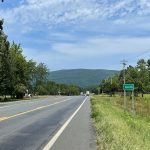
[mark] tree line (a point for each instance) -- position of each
(138, 75)
(19, 75)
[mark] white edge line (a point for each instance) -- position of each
(60, 131)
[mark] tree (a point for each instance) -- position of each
(19, 68)
(52, 88)
(5, 68)
(1, 25)
(20, 90)
(31, 74)
(132, 75)
(148, 63)
(110, 85)
(41, 73)
(143, 76)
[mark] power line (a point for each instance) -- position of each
(141, 54)
(145, 52)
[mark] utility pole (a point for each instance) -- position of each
(124, 80)
(111, 87)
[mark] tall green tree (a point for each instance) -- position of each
(41, 77)
(143, 76)
(19, 71)
(31, 73)
(5, 69)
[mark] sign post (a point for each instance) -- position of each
(130, 87)
(133, 103)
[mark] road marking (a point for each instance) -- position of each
(60, 131)
(38, 108)
(3, 118)
(23, 100)
(18, 103)
(8, 106)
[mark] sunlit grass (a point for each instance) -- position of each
(119, 130)
(142, 104)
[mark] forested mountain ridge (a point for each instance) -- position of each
(81, 77)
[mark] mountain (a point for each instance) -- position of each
(81, 77)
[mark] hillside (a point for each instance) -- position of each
(81, 77)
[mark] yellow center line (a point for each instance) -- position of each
(3, 118)
(22, 113)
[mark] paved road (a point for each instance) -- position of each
(30, 125)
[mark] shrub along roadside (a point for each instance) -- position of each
(116, 130)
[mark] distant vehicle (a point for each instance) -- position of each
(82, 94)
(87, 93)
(28, 95)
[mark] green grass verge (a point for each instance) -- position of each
(142, 104)
(117, 130)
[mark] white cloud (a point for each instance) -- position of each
(52, 12)
(49, 12)
(100, 47)
(66, 20)
(91, 52)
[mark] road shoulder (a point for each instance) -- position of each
(79, 134)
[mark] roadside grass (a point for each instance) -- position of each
(142, 104)
(119, 130)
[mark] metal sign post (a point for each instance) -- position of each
(125, 101)
(129, 87)
(133, 103)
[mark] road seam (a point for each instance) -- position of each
(18, 103)
(60, 131)
(22, 100)
(38, 108)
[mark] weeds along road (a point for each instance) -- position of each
(57, 123)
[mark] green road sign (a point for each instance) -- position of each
(128, 87)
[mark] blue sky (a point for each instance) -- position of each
(68, 34)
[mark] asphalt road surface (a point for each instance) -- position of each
(56, 123)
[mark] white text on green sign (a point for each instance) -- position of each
(128, 87)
